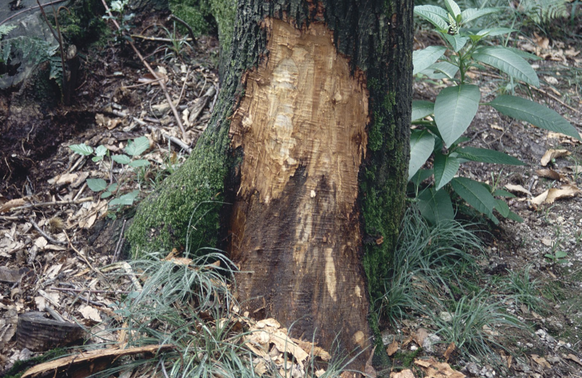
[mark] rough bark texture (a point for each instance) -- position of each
(319, 97)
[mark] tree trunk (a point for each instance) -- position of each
(308, 145)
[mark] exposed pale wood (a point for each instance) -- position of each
(295, 225)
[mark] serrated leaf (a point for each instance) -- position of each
(453, 8)
(507, 61)
(487, 156)
(471, 14)
(502, 207)
(97, 158)
(81, 149)
(533, 113)
(125, 200)
(421, 146)
(101, 150)
(454, 109)
(139, 163)
(96, 185)
(422, 59)
(435, 206)
(138, 146)
(121, 159)
(445, 168)
(475, 195)
(433, 14)
(421, 109)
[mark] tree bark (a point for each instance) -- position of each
(308, 145)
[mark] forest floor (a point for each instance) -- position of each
(51, 242)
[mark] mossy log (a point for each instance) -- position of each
(300, 175)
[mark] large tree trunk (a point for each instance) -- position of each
(308, 145)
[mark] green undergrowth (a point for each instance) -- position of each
(437, 280)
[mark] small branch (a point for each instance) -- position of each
(155, 39)
(190, 31)
(146, 64)
(89, 291)
(28, 10)
(46, 236)
(172, 139)
(119, 244)
(86, 199)
(79, 253)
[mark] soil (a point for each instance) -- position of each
(116, 101)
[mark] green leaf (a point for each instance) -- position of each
(471, 14)
(433, 14)
(139, 163)
(96, 185)
(126, 199)
(502, 207)
(507, 61)
(121, 159)
(503, 193)
(97, 158)
(454, 109)
(524, 54)
(456, 41)
(492, 32)
(101, 151)
(440, 70)
(445, 168)
(533, 113)
(421, 146)
(475, 195)
(453, 8)
(436, 206)
(81, 149)
(138, 146)
(420, 176)
(422, 59)
(513, 216)
(421, 109)
(106, 194)
(487, 156)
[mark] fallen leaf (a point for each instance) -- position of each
(420, 335)
(567, 191)
(548, 173)
(574, 358)
(392, 348)
(90, 313)
(12, 203)
(553, 154)
(402, 374)
(450, 349)
(517, 189)
(434, 369)
(541, 361)
(538, 200)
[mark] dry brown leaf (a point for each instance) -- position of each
(12, 203)
(541, 361)
(434, 369)
(65, 178)
(548, 173)
(392, 348)
(553, 154)
(420, 335)
(538, 200)
(517, 189)
(90, 313)
(573, 358)
(402, 374)
(541, 41)
(450, 349)
(562, 137)
(567, 191)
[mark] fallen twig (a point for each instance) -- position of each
(172, 139)
(146, 64)
(46, 236)
(38, 204)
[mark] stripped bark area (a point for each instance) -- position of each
(296, 228)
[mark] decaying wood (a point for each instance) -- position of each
(295, 224)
